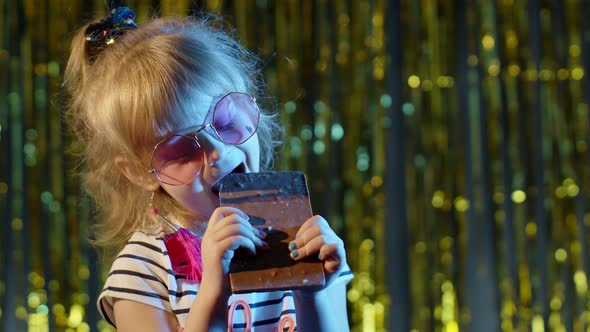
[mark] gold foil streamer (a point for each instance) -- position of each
(326, 62)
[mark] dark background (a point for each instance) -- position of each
(445, 141)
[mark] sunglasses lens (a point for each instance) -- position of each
(177, 160)
(236, 118)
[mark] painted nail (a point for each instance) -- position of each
(262, 233)
(320, 256)
(294, 254)
(292, 246)
(265, 245)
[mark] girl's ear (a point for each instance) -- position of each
(137, 176)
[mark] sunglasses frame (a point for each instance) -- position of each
(193, 136)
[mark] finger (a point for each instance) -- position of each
(234, 242)
(236, 218)
(305, 236)
(232, 219)
(315, 220)
(221, 212)
(312, 247)
(214, 227)
(329, 254)
(238, 229)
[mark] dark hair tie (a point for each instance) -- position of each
(103, 33)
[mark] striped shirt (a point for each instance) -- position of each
(142, 272)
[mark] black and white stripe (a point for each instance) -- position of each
(143, 272)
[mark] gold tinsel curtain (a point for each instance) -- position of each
(446, 141)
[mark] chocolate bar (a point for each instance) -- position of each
(278, 203)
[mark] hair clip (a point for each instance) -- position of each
(108, 29)
(120, 20)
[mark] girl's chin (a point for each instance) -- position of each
(205, 206)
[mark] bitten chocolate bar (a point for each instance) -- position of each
(277, 202)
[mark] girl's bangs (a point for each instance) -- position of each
(192, 99)
(164, 93)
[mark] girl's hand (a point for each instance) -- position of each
(316, 237)
(228, 230)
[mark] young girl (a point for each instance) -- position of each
(164, 111)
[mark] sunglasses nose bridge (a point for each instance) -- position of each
(203, 128)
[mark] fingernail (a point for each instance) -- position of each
(297, 235)
(247, 217)
(292, 246)
(320, 256)
(265, 245)
(294, 254)
(261, 233)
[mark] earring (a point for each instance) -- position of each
(160, 217)
(152, 207)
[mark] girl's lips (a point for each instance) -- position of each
(241, 168)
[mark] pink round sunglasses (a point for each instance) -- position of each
(177, 159)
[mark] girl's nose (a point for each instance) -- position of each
(213, 148)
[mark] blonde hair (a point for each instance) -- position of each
(142, 86)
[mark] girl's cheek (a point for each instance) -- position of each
(254, 157)
(198, 184)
